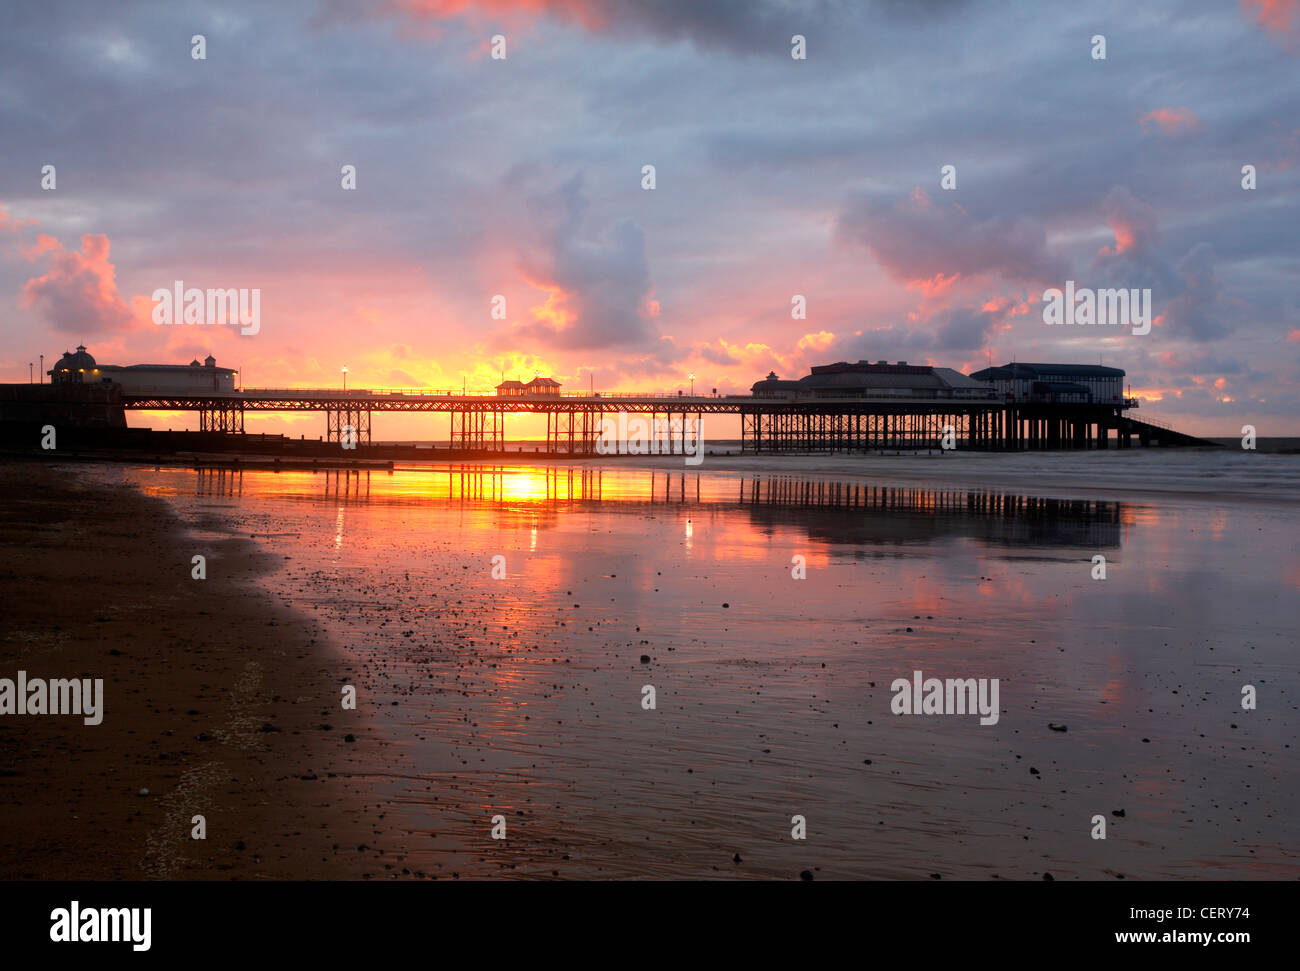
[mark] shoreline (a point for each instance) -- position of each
(215, 698)
(1012, 473)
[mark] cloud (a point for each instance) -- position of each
(598, 290)
(817, 342)
(1194, 304)
(920, 241)
(398, 378)
(1170, 121)
(970, 328)
(1206, 363)
(721, 355)
(1134, 223)
(1199, 311)
(1279, 17)
(78, 293)
(11, 224)
(744, 26)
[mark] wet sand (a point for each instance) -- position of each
(521, 698)
(215, 698)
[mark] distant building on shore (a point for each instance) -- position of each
(80, 368)
(879, 380)
(537, 386)
(1060, 384)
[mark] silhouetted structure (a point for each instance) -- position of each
(839, 407)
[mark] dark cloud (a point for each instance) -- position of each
(1202, 365)
(1134, 223)
(965, 329)
(1199, 312)
(1188, 294)
(919, 238)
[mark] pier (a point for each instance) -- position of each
(845, 407)
(477, 422)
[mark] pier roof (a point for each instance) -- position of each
(1026, 371)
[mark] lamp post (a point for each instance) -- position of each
(42, 369)
(29, 372)
(345, 379)
(692, 376)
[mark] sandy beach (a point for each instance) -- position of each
(218, 701)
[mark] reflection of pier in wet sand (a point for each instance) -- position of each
(836, 512)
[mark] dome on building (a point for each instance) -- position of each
(78, 360)
(194, 363)
(71, 366)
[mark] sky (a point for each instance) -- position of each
(521, 177)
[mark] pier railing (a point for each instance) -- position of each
(436, 393)
(363, 394)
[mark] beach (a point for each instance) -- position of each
(502, 626)
(215, 700)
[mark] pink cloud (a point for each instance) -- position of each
(1170, 121)
(78, 292)
(591, 14)
(1280, 17)
(935, 287)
